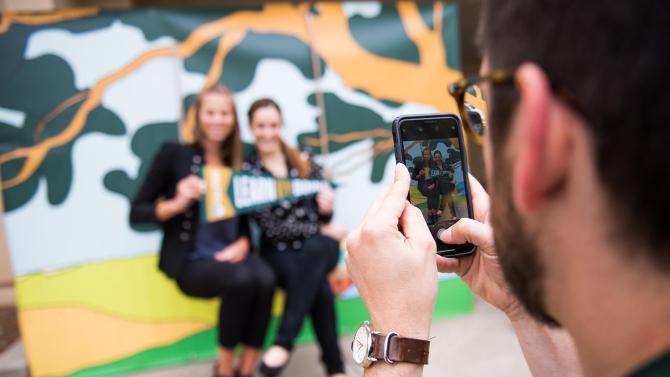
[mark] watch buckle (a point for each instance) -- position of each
(387, 340)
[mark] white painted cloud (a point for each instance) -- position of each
(90, 226)
(14, 118)
(152, 93)
(95, 54)
(367, 9)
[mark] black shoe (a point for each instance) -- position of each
(267, 371)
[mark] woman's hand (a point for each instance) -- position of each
(235, 252)
(325, 200)
(188, 192)
(481, 271)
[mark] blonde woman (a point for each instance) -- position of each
(209, 259)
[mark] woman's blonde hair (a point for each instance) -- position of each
(231, 148)
(294, 156)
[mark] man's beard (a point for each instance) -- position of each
(517, 250)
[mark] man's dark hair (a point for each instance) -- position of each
(613, 57)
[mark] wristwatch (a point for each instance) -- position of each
(370, 346)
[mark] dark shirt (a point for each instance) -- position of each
(436, 170)
(289, 224)
(659, 367)
(213, 237)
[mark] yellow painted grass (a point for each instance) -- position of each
(133, 289)
(60, 341)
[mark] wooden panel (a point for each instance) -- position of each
(6, 275)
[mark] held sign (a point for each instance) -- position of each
(229, 193)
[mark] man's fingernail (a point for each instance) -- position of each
(399, 167)
(444, 234)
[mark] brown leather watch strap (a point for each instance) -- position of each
(404, 350)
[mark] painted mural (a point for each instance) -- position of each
(88, 96)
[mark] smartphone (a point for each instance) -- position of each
(432, 148)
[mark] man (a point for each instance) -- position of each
(581, 258)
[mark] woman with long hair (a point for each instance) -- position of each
(445, 184)
(294, 244)
(209, 259)
(426, 183)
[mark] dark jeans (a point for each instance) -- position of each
(433, 201)
(302, 274)
(246, 291)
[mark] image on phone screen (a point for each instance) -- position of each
(437, 187)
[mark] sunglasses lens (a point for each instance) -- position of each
(476, 109)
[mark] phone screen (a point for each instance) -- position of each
(432, 149)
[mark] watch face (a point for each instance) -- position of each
(360, 345)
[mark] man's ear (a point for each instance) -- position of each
(542, 140)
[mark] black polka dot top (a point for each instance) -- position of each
(287, 225)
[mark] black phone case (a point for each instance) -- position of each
(447, 250)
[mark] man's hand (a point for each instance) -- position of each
(481, 271)
(391, 259)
